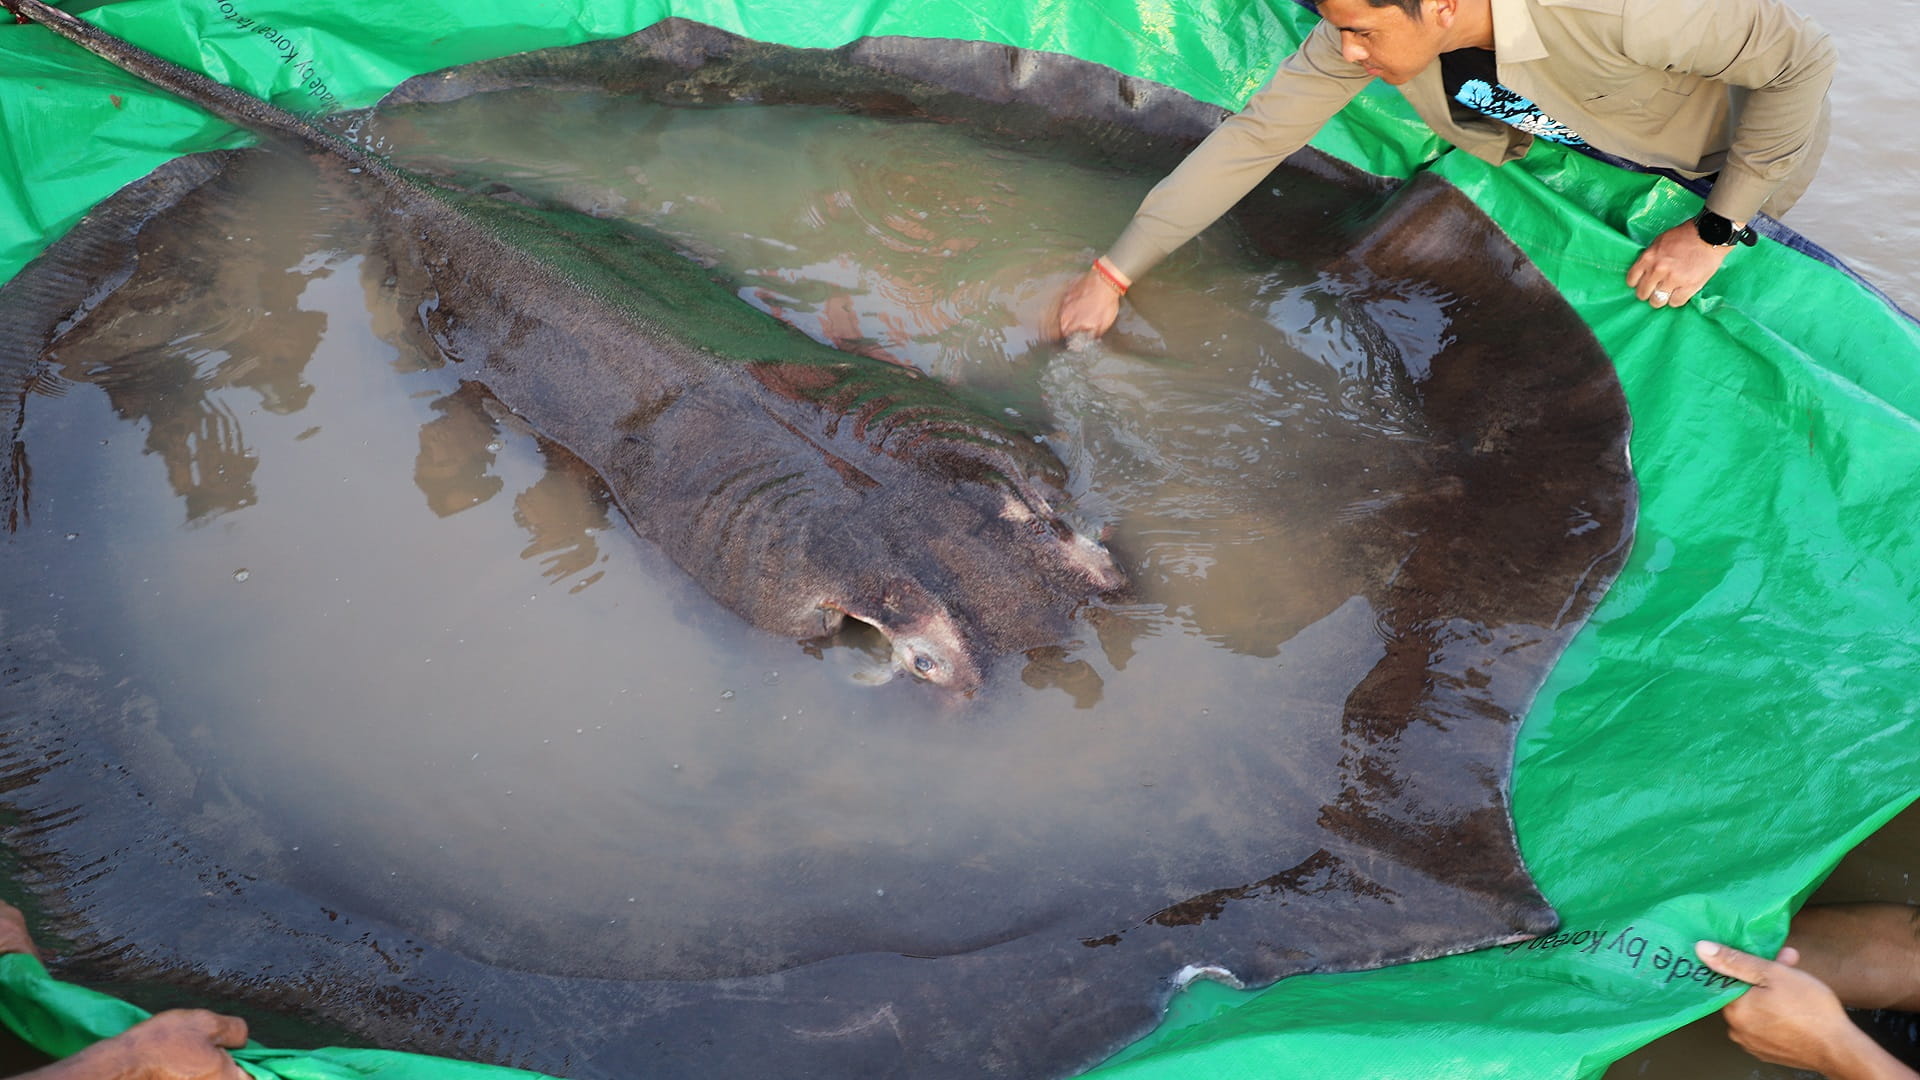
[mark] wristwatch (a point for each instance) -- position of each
(1720, 232)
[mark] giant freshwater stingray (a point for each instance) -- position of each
(1369, 819)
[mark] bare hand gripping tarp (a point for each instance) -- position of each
(1762, 630)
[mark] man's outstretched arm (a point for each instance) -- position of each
(1309, 87)
(179, 1044)
(1789, 1017)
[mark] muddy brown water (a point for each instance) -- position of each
(355, 630)
(416, 663)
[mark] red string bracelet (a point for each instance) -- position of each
(1113, 279)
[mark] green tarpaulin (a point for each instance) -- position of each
(1740, 711)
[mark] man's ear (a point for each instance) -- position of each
(1441, 12)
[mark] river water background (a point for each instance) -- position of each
(1862, 205)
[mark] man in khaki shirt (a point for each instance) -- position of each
(1729, 89)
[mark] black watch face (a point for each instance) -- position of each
(1714, 229)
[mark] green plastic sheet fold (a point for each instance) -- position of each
(1740, 711)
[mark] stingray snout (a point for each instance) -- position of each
(928, 641)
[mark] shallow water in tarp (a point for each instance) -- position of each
(376, 661)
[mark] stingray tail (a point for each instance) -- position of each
(233, 106)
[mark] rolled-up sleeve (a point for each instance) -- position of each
(1784, 60)
(1312, 85)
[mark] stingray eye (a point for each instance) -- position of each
(923, 663)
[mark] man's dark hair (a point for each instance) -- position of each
(1411, 7)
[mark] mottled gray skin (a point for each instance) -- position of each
(798, 485)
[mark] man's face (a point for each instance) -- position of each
(1389, 43)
